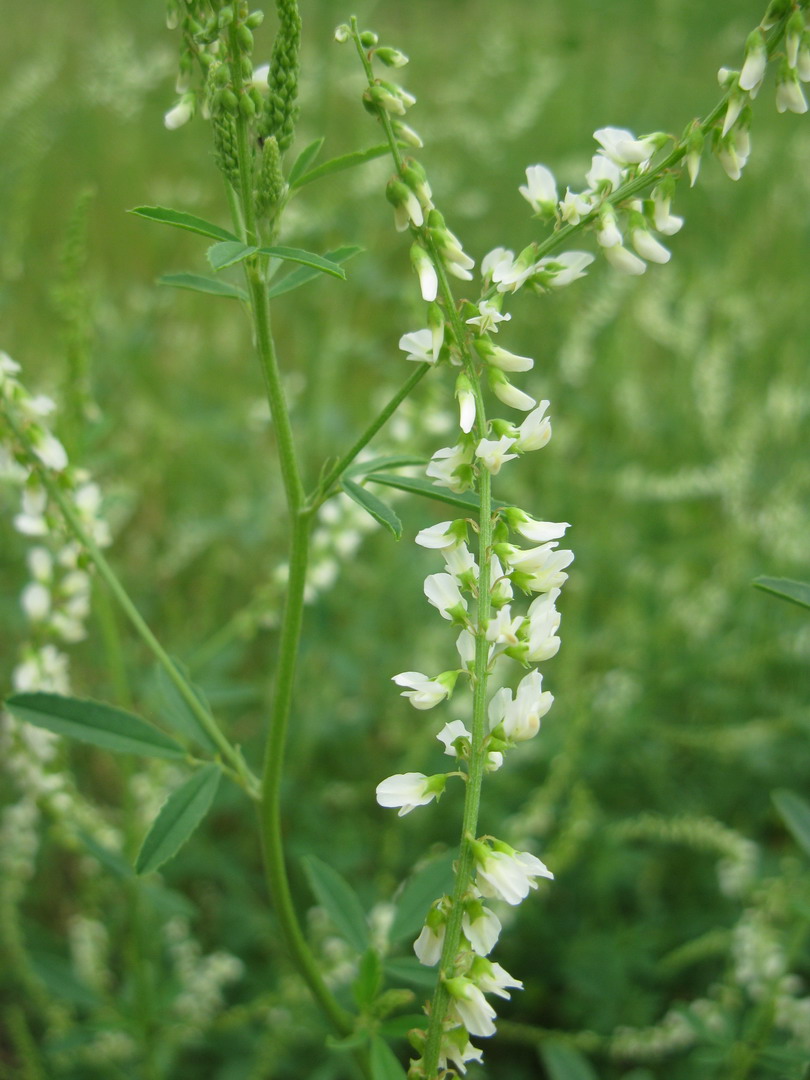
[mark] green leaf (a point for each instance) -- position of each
(425, 886)
(172, 707)
(229, 253)
(795, 812)
(797, 592)
(416, 486)
(307, 258)
(564, 1062)
(368, 979)
(203, 284)
(182, 220)
(397, 461)
(384, 1063)
(338, 164)
(380, 511)
(407, 969)
(96, 723)
(110, 860)
(397, 1027)
(305, 273)
(340, 901)
(304, 160)
(60, 980)
(178, 818)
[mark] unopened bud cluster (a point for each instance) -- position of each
(219, 38)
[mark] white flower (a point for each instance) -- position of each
(488, 318)
(35, 601)
(466, 409)
(756, 61)
(508, 874)
(535, 431)
(540, 532)
(8, 367)
(406, 204)
(544, 622)
(444, 466)
(444, 594)
(409, 790)
(603, 174)
(495, 261)
(491, 978)
(732, 152)
(40, 564)
(450, 733)
(31, 522)
(540, 190)
(493, 454)
(623, 148)
(473, 1009)
(502, 628)
(428, 946)
(624, 261)
(608, 233)
(510, 395)
(574, 206)
(457, 1049)
(441, 535)
(180, 114)
(541, 568)
(465, 646)
(426, 271)
(507, 272)
(424, 692)
(419, 346)
(520, 718)
(481, 927)
(560, 270)
(48, 449)
(501, 588)
(461, 563)
(502, 358)
(665, 222)
(648, 247)
(789, 94)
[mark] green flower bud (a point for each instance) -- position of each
(392, 58)
(368, 39)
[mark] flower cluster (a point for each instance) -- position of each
(476, 593)
(628, 227)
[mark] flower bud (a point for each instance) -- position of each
(392, 58)
(426, 271)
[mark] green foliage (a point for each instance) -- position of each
(679, 455)
(180, 815)
(95, 723)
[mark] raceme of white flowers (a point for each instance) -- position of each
(627, 204)
(56, 603)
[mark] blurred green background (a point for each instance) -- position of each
(680, 403)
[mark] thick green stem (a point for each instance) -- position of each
(269, 809)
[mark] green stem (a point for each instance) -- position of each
(230, 755)
(324, 487)
(465, 867)
(269, 808)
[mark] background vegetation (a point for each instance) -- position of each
(680, 403)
